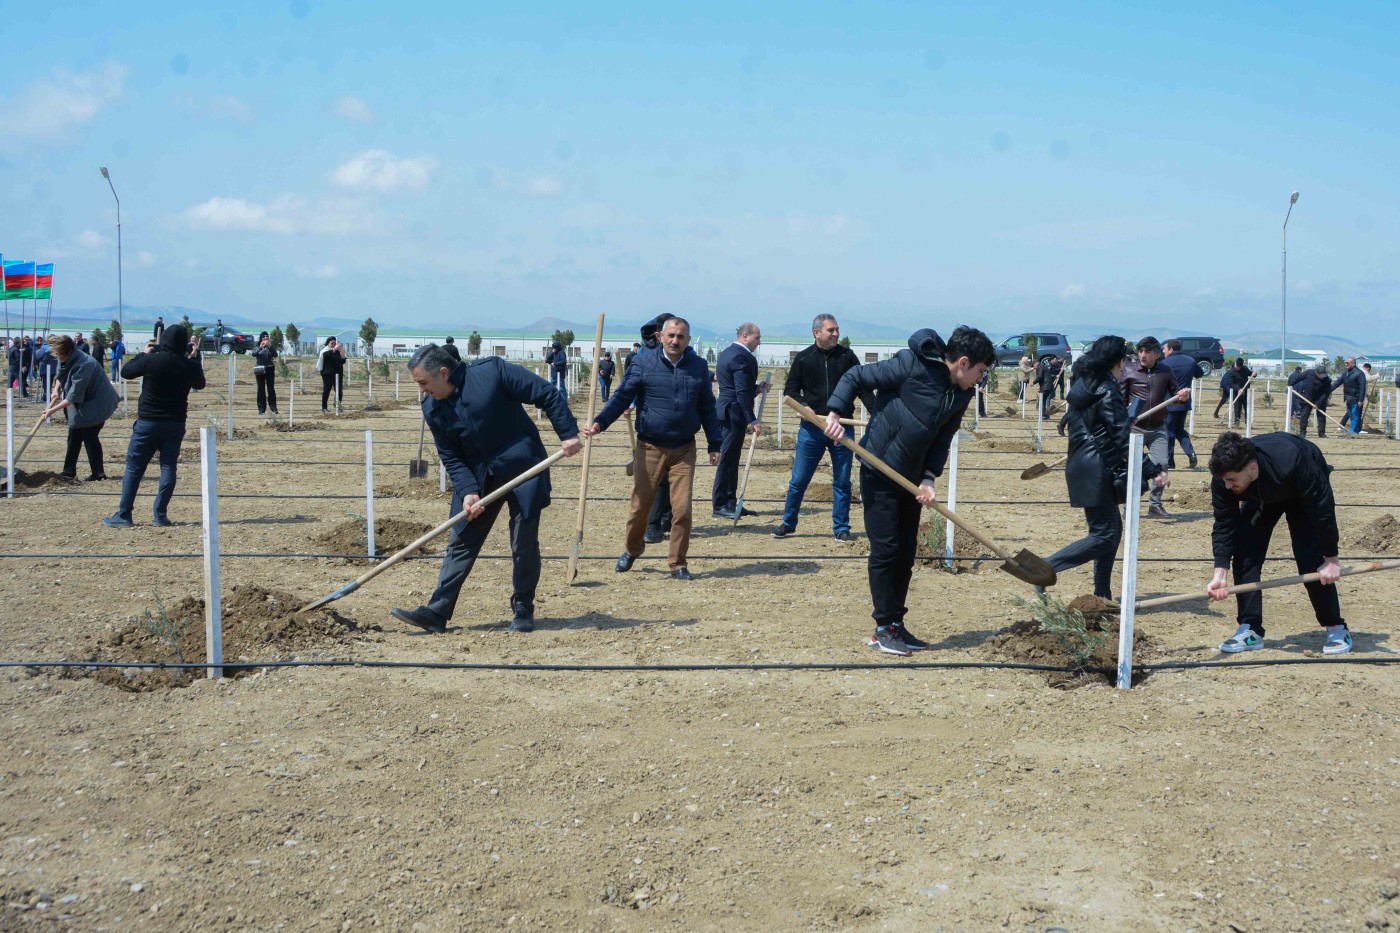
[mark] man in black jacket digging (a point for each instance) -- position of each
(920, 397)
(1256, 482)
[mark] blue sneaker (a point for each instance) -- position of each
(1244, 639)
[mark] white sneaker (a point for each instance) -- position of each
(1244, 639)
(1338, 640)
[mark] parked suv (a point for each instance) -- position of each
(233, 341)
(1010, 350)
(1207, 352)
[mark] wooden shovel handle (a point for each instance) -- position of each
(898, 478)
(1320, 412)
(1268, 584)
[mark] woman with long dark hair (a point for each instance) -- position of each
(1097, 470)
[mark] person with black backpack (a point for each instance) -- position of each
(265, 373)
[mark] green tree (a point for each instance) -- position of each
(474, 344)
(846, 342)
(368, 331)
(294, 338)
(1032, 346)
(116, 331)
(565, 337)
(276, 339)
(185, 322)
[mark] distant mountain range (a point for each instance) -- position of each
(1250, 341)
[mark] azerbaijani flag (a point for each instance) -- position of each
(43, 280)
(19, 280)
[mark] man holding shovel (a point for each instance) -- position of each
(737, 369)
(485, 439)
(1145, 384)
(1257, 482)
(921, 394)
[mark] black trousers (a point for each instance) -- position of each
(267, 391)
(1252, 544)
(1308, 412)
(327, 387)
(892, 525)
(84, 437)
(1176, 432)
(466, 544)
(725, 492)
(659, 518)
(1100, 545)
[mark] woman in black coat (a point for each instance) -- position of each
(265, 372)
(1097, 469)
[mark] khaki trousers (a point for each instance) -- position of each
(652, 462)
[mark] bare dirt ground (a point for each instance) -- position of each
(887, 798)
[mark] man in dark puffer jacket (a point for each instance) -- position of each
(671, 386)
(920, 396)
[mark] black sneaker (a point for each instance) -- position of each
(653, 537)
(911, 641)
(845, 537)
(681, 573)
(160, 521)
(423, 618)
(746, 512)
(725, 513)
(1192, 461)
(523, 622)
(624, 563)
(782, 531)
(887, 641)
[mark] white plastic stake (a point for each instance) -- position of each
(976, 411)
(213, 598)
(1230, 414)
(396, 385)
(1195, 400)
(230, 396)
(370, 388)
(442, 477)
(1039, 424)
(337, 394)
(123, 398)
(301, 380)
(780, 426)
(369, 491)
(10, 442)
(1249, 412)
(291, 403)
(1127, 599)
(952, 501)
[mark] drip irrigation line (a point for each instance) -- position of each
(697, 667)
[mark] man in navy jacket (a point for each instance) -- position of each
(737, 369)
(671, 388)
(485, 439)
(1183, 367)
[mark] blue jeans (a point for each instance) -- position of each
(1352, 419)
(147, 439)
(606, 386)
(557, 379)
(1176, 433)
(116, 369)
(811, 444)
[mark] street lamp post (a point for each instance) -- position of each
(120, 321)
(1283, 347)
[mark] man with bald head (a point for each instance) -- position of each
(737, 370)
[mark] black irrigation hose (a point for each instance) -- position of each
(777, 558)
(674, 668)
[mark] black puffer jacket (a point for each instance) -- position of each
(917, 409)
(1098, 444)
(1292, 471)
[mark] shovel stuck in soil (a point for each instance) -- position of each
(631, 443)
(1023, 566)
(748, 458)
(1040, 469)
(446, 526)
(576, 552)
(418, 467)
(1372, 567)
(4, 474)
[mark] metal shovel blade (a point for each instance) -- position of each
(631, 467)
(1030, 568)
(417, 469)
(1040, 469)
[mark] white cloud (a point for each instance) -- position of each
(145, 260)
(90, 240)
(352, 108)
(51, 106)
(378, 170)
(539, 186)
(1074, 290)
(327, 271)
(284, 215)
(232, 108)
(545, 185)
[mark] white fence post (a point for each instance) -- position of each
(10, 442)
(442, 477)
(976, 412)
(1249, 412)
(1195, 400)
(369, 491)
(301, 377)
(1127, 599)
(213, 599)
(1230, 412)
(396, 385)
(370, 389)
(337, 393)
(952, 503)
(230, 396)
(780, 426)
(291, 403)
(1039, 424)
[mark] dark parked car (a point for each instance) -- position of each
(233, 341)
(1010, 350)
(1207, 351)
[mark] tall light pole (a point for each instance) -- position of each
(122, 323)
(1283, 348)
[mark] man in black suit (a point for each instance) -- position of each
(485, 439)
(737, 369)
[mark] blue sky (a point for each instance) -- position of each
(903, 163)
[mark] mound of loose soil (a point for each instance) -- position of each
(994, 443)
(258, 625)
(44, 479)
(283, 427)
(1193, 496)
(1024, 643)
(426, 488)
(390, 535)
(1094, 609)
(1382, 536)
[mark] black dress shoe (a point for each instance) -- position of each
(681, 573)
(654, 537)
(423, 618)
(747, 512)
(95, 478)
(624, 563)
(523, 622)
